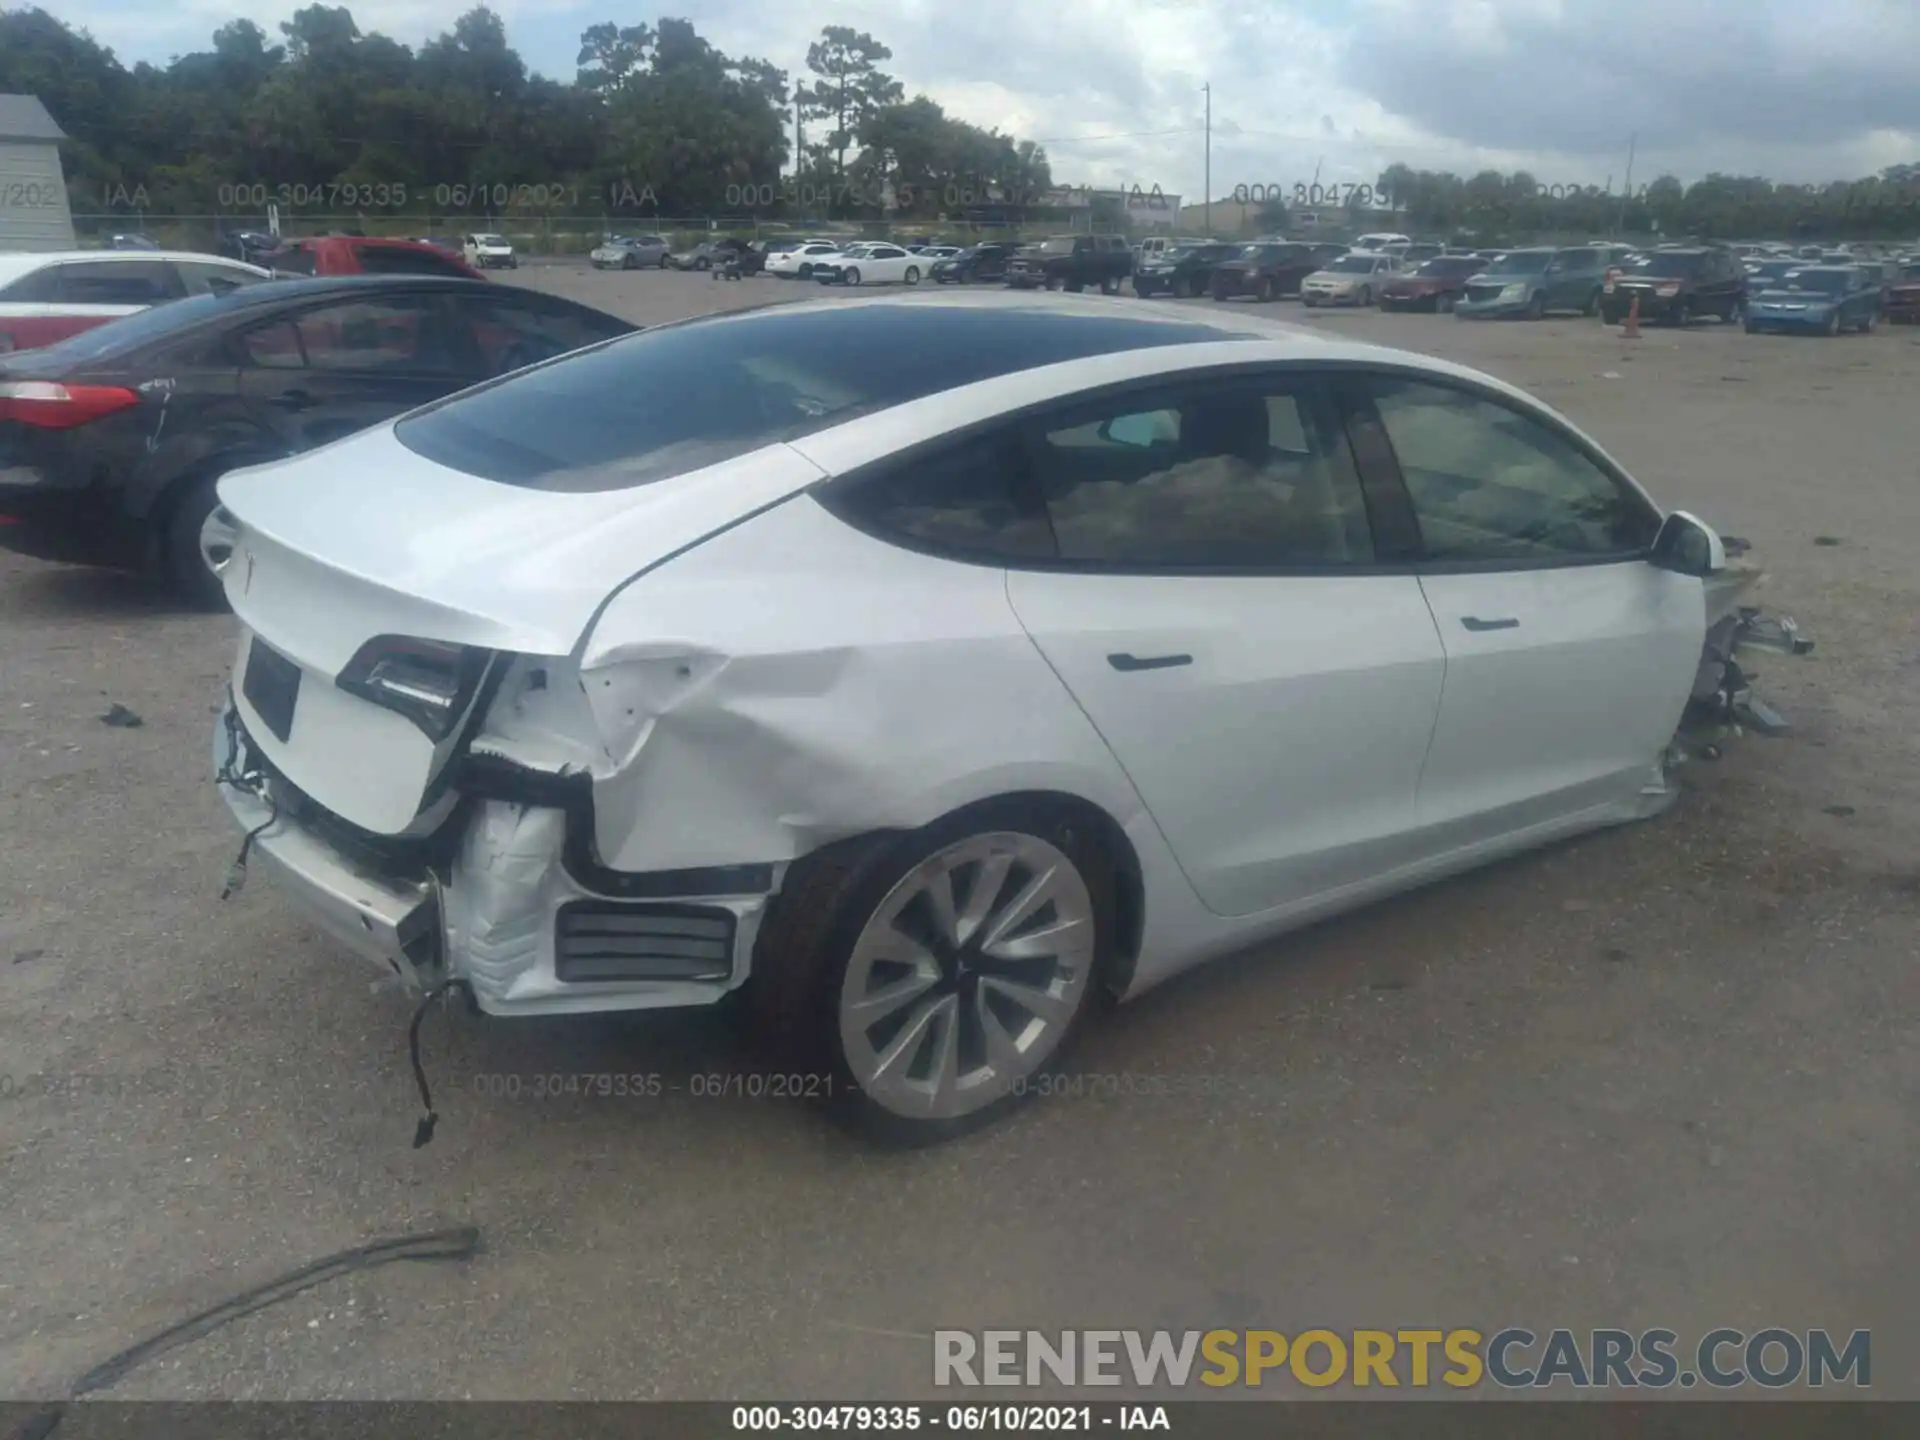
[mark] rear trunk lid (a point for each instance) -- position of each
(365, 539)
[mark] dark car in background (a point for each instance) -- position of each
(248, 245)
(1182, 272)
(1437, 284)
(1269, 269)
(1817, 300)
(1676, 284)
(1072, 263)
(112, 441)
(1528, 283)
(1903, 295)
(986, 261)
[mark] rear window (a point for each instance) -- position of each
(1670, 265)
(683, 397)
(1062, 246)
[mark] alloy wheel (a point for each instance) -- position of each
(967, 976)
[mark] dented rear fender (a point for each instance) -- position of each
(766, 693)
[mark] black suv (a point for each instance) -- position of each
(1073, 262)
(1184, 271)
(975, 262)
(1675, 283)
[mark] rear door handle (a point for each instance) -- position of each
(1476, 624)
(1130, 663)
(293, 399)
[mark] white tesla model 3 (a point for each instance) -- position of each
(929, 667)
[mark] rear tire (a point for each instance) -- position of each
(1365, 297)
(1263, 289)
(816, 959)
(1592, 305)
(1537, 306)
(188, 567)
(912, 277)
(1442, 303)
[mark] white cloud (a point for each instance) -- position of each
(1781, 87)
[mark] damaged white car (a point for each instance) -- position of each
(930, 667)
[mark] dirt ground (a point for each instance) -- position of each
(1661, 1076)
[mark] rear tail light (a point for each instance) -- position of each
(51, 406)
(6, 343)
(429, 681)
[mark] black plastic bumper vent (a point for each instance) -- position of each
(597, 940)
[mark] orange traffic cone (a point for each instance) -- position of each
(1631, 331)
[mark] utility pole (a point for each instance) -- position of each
(1206, 192)
(1626, 190)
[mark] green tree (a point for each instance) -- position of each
(849, 89)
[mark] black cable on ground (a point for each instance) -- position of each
(461, 1243)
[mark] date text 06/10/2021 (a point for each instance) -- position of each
(960, 1419)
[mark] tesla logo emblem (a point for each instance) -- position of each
(246, 587)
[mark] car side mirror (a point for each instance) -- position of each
(1688, 546)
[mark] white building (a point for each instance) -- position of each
(34, 214)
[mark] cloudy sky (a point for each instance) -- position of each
(1801, 90)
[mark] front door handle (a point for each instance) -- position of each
(1129, 663)
(1476, 624)
(293, 399)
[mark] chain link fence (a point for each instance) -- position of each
(556, 236)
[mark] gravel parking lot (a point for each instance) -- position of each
(1662, 1076)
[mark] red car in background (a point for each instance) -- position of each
(48, 296)
(362, 255)
(1438, 284)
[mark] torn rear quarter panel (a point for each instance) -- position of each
(768, 692)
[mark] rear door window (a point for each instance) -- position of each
(1246, 475)
(199, 277)
(405, 333)
(271, 347)
(39, 287)
(118, 282)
